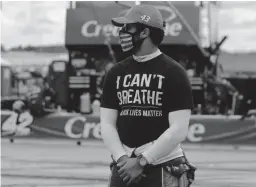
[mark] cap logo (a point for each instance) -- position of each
(145, 18)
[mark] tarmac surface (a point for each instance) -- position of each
(61, 163)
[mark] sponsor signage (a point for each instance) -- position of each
(90, 24)
(90, 129)
(202, 128)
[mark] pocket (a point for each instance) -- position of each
(168, 180)
(185, 173)
(191, 173)
(184, 180)
(178, 170)
(171, 181)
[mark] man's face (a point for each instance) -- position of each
(131, 37)
(129, 28)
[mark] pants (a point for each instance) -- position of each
(158, 176)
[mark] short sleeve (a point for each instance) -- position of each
(179, 93)
(109, 96)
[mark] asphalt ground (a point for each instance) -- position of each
(61, 163)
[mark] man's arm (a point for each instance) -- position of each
(179, 102)
(108, 118)
(175, 134)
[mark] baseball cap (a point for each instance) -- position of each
(144, 14)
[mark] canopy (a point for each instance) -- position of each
(90, 22)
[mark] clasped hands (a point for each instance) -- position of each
(129, 169)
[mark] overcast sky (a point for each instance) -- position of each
(42, 23)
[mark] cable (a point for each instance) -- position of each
(204, 52)
(107, 38)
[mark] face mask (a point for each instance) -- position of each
(128, 40)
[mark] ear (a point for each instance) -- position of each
(145, 33)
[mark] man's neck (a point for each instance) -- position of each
(145, 51)
(147, 57)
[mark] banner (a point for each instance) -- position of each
(90, 23)
(202, 128)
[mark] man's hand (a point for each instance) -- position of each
(122, 159)
(130, 170)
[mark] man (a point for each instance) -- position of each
(146, 106)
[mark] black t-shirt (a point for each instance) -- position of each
(144, 93)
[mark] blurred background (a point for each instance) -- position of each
(47, 44)
(54, 56)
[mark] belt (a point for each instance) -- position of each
(173, 162)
